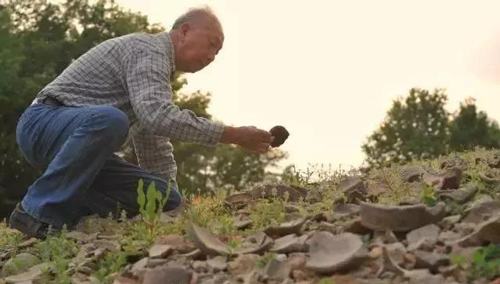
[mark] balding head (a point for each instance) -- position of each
(197, 17)
(197, 36)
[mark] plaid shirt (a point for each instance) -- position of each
(133, 74)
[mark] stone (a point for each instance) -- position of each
(280, 134)
(329, 253)
(277, 269)
(19, 264)
(344, 279)
(243, 264)
(207, 242)
(486, 233)
(33, 274)
(199, 266)
(482, 211)
(460, 196)
(218, 263)
(345, 210)
(450, 221)
(356, 226)
(429, 234)
(160, 251)
(27, 243)
(292, 225)
(412, 173)
(289, 244)
(431, 260)
(452, 178)
(353, 188)
(169, 275)
(176, 242)
(79, 236)
(399, 218)
(140, 265)
(238, 200)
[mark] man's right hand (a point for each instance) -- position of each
(248, 137)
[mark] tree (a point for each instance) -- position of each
(471, 128)
(415, 128)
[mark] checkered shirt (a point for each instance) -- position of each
(133, 74)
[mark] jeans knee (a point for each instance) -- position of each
(115, 122)
(174, 200)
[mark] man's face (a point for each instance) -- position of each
(199, 47)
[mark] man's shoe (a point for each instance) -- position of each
(30, 226)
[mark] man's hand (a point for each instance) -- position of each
(248, 137)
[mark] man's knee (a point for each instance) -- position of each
(115, 122)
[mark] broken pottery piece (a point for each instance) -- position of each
(487, 232)
(399, 218)
(431, 260)
(417, 237)
(353, 189)
(289, 244)
(331, 253)
(345, 210)
(461, 196)
(207, 242)
(169, 275)
(482, 211)
(292, 225)
(160, 251)
(238, 200)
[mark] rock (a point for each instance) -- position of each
(345, 210)
(32, 275)
(218, 263)
(280, 134)
(126, 280)
(27, 243)
(79, 236)
(176, 242)
(243, 264)
(260, 244)
(353, 189)
(277, 269)
(19, 264)
(297, 260)
(344, 279)
(431, 260)
(450, 221)
(169, 275)
(494, 160)
(238, 200)
(486, 233)
(140, 265)
(241, 224)
(329, 253)
(207, 242)
(452, 178)
(199, 266)
(460, 196)
(449, 237)
(428, 234)
(482, 211)
(292, 225)
(397, 252)
(412, 173)
(424, 277)
(356, 226)
(160, 251)
(399, 218)
(454, 161)
(289, 244)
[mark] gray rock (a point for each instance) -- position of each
(140, 265)
(399, 218)
(277, 269)
(412, 173)
(329, 253)
(460, 196)
(168, 275)
(218, 263)
(428, 234)
(482, 211)
(207, 242)
(292, 225)
(160, 251)
(431, 260)
(79, 236)
(19, 264)
(450, 221)
(289, 244)
(353, 188)
(243, 264)
(345, 210)
(486, 233)
(32, 275)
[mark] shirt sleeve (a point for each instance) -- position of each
(155, 154)
(148, 74)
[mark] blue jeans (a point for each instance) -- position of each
(73, 148)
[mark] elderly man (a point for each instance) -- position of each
(78, 121)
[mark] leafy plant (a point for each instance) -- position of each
(265, 259)
(151, 204)
(486, 262)
(428, 195)
(109, 266)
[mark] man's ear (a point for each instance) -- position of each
(184, 29)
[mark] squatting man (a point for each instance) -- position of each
(117, 90)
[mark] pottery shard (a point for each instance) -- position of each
(238, 200)
(207, 242)
(482, 211)
(160, 251)
(412, 173)
(168, 275)
(329, 253)
(399, 218)
(462, 195)
(353, 188)
(416, 238)
(292, 225)
(289, 244)
(487, 232)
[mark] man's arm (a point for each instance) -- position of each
(147, 74)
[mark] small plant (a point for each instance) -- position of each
(326, 281)
(267, 212)
(428, 195)
(265, 259)
(151, 204)
(485, 263)
(109, 266)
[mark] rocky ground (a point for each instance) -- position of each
(429, 222)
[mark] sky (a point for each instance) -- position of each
(329, 70)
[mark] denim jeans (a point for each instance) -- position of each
(73, 148)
